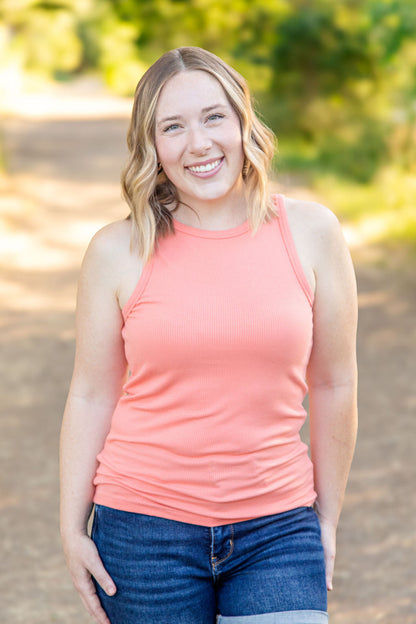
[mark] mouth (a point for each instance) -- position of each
(206, 168)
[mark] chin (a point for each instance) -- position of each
(213, 194)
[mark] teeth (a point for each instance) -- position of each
(205, 168)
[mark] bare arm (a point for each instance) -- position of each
(99, 373)
(332, 379)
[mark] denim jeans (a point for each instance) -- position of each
(269, 570)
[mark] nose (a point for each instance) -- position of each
(198, 141)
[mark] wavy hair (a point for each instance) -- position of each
(146, 188)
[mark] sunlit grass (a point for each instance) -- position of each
(384, 208)
(381, 210)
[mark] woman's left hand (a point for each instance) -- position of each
(328, 537)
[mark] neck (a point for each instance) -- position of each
(216, 214)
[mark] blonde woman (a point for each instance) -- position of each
(203, 319)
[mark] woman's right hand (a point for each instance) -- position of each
(84, 562)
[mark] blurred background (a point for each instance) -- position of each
(337, 83)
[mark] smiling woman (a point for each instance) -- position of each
(201, 153)
(193, 86)
(202, 321)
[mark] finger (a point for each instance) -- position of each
(86, 589)
(101, 575)
(329, 565)
(93, 605)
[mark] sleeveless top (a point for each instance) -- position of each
(217, 333)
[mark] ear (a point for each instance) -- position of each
(246, 166)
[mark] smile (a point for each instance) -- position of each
(206, 168)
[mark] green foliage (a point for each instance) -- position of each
(109, 44)
(335, 80)
(41, 35)
(382, 212)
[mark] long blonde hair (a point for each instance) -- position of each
(146, 188)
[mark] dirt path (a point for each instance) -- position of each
(63, 186)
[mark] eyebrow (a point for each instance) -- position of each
(206, 109)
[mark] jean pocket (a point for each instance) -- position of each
(94, 525)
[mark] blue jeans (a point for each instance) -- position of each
(269, 570)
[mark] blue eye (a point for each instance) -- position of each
(171, 127)
(215, 117)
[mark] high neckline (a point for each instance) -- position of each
(202, 233)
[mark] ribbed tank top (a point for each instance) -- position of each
(217, 335)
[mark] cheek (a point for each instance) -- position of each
(166, 152)
(236, 148)
(233, 141)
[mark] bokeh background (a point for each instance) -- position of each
(337, 83)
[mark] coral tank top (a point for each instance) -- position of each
(218, 334)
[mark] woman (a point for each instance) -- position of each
(199, 320)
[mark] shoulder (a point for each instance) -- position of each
(320, 233)
(111, 242)
(112, 238)
(315, 227)
(107, 251)
(313, 215)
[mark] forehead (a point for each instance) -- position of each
(188, 90)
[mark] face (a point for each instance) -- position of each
(198, 139)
